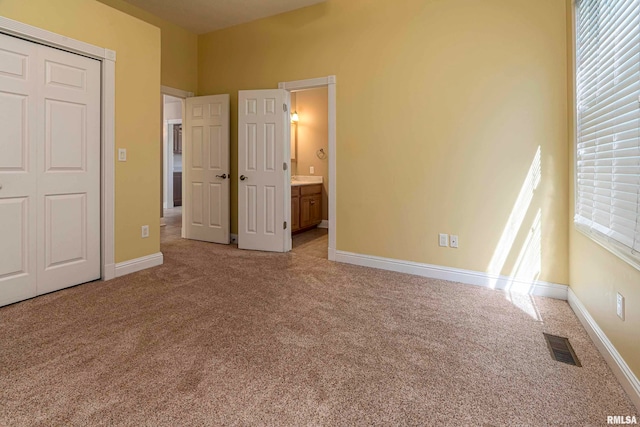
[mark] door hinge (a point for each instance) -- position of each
(284, 226)
(284, 107)
(284, 166)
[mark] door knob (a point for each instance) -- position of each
(223, 176)
(242, 177)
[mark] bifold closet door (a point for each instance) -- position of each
(50, 177)
(68, 170)
(18, 129)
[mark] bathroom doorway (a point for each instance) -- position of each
(310, 182)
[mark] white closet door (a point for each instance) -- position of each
(68, 165)
(17, 169)
(49, 169)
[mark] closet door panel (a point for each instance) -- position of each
(14, 145)
(18, 128)
(68, 162)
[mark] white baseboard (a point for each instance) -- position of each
(234, 238)
(142, 263)
(469, 277)
(324, 224)
(621, 370)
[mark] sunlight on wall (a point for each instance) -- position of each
(529, 263)
(527, 270)
(518, 213)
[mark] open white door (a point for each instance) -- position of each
(206, 169)
(264, 199)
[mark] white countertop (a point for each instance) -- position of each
(298, 180)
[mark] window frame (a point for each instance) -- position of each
(629, 255)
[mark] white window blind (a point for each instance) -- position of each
(608, 131)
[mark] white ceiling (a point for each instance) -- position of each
(203, 16)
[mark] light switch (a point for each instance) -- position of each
(312, 170)
(122, 154)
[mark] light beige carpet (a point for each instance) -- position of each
(220, 336)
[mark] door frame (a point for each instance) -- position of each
(330, 83)
(107, 60)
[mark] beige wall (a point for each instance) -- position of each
(137, 105)
(313, 134)
(441, 108)
(179, 48)
(596, 274)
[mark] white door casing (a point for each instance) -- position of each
(50, 102)
(206, 202)
(263, 170)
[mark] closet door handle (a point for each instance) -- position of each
(223, 176)
(242, 177)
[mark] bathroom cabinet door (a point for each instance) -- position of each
(177, 189)
(310, 210)
(295, 213)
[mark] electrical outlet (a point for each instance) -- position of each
(145, 231)
(444, 240)
(620, 306)
(312, 170)
(122, 154)
(453, 241)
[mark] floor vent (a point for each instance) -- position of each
(561, 350)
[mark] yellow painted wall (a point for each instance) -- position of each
(179, 48)
(313, 134)
(137, 45)
(597, 274)
(441, 108)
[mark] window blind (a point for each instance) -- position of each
(608, 123)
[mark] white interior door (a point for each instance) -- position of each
(264, 199)
(17, 170)
(49, 169)
(205, 151)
